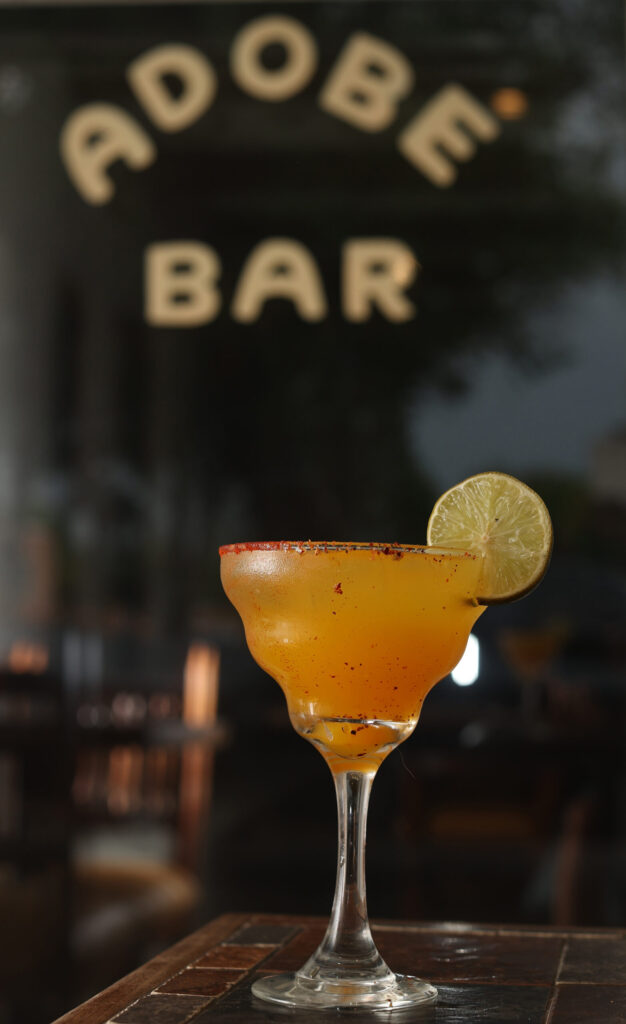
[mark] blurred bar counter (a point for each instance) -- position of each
(495, 974)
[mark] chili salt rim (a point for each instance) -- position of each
(394, 549)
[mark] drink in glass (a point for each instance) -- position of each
(356, 635)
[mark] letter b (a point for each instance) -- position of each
(180, 284)
(361, 96)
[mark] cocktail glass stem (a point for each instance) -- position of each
(347, 951)
(346, 970)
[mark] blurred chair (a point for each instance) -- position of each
(517, 827)
(566, 904)
(479, 826)
(142, 793)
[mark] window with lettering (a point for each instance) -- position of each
(291, 269)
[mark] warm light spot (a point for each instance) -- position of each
(466, 672)
(124, 780)
(510, 104)
(28, 657)
(200, 685)
(128, 708)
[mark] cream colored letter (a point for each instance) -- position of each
(279, 83)
(172, 113)
(176, 271)
(446, 123)
(279, 268)
(361, 96)
(93, 138)
(376, 272)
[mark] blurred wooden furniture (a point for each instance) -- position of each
(492, 974)
(141, 784)
(142, 792)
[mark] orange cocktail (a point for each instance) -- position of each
(356, 634)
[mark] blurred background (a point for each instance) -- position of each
(149, 778)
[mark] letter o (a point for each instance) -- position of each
(281, 83)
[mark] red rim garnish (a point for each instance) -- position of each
(395, 550)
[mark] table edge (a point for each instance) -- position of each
(105, 1004)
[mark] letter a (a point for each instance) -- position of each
(93, 138)
(279, 268)
(445, 123)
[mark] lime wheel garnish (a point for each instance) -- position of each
(503, 520)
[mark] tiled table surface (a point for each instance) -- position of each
(494, 975)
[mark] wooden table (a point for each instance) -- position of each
(491, 974)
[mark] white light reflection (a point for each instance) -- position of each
(468, 668)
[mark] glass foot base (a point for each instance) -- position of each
(290, 990)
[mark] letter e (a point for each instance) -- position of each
(445, 122)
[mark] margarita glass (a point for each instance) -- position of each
(356, 635)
